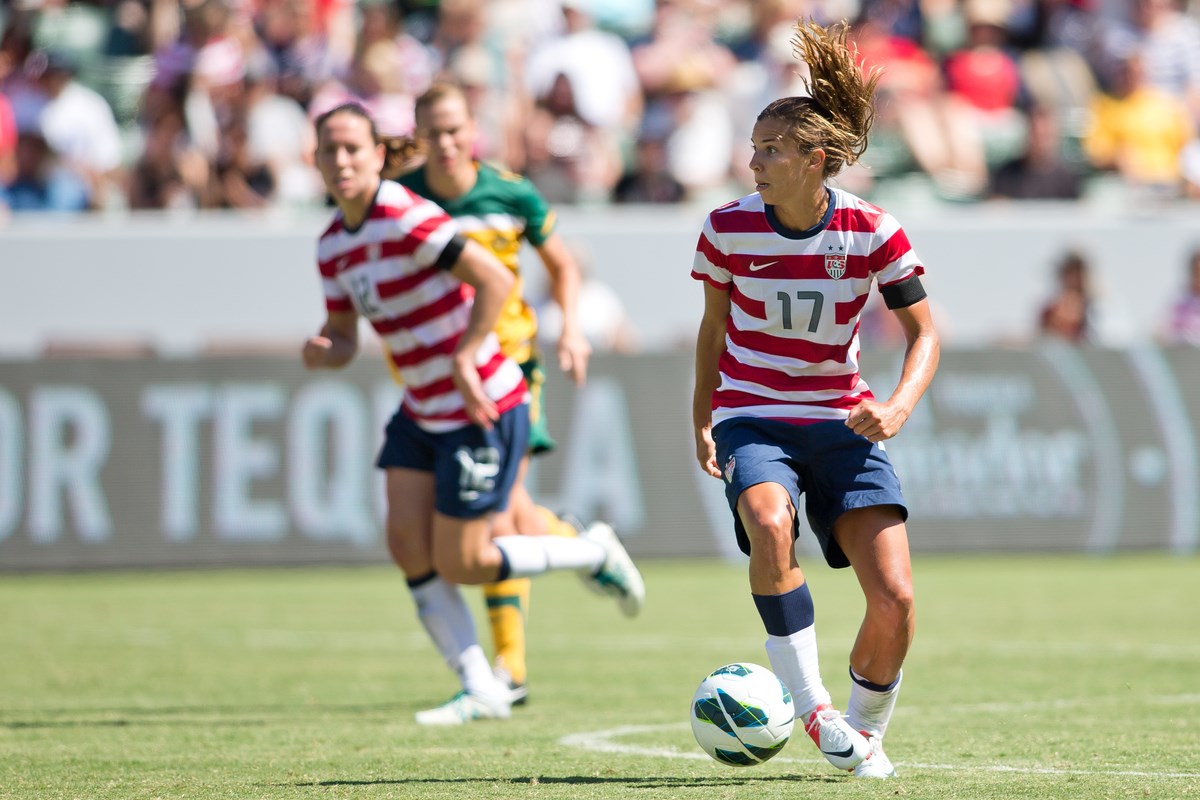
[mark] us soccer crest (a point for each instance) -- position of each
(730, 466)
(835, 264)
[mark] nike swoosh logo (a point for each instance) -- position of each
(756, 267)
(849, 751)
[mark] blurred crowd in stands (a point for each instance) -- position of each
(186, 104)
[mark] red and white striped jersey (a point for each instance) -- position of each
(795, 300)
(387, 271)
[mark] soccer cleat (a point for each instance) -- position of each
(876, 764)
(464, 708)
(518, 692)
(617, 576)
(843, 746)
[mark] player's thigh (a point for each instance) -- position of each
(519, 516)
(410, 499)
(875, 541)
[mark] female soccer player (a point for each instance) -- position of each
(452, 450)
(779, 406)
(501, 210)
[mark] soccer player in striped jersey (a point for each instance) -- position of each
(452, 450)
(500, 210)
(780, 409)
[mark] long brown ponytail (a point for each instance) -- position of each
(838, 113)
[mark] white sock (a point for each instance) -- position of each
(448, 621)
(533, 555)
(869, 709)
(794, 659)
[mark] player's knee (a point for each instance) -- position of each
(893, 604)
(767, 524)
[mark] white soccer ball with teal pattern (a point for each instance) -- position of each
(742, 714)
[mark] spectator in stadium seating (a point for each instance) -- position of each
(280, 136)
(780, 408)
(40, 182)
(649, 178)
(1056, 45)
(1039, 173)
(938, 128)
(453, 449)
(570, 159)
(380, 21)
(1139, 132)
(986, 78)
(772, 74)
(597, 65)
(484, 57)
(1168, 41)
(16, 45)
(8, 141)
(1184, 324)
(375, 81)
(904, 19)
(170, 172)
(78, 124)
(243, 179)
(306, 45)
(1068, 314)
(681, 40)
(684, 72)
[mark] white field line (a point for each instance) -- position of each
(603, 742)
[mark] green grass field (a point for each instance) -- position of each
(1054, 677)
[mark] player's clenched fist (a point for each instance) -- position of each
(316, 352)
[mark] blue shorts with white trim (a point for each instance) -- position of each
(836, 469)
(473, 469)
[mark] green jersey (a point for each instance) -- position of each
(500, 210)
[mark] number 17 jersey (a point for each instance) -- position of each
(791, 340)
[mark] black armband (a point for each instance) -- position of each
(451, 252)
(903, 294)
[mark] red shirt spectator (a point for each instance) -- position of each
(8, 140)
(985, 77)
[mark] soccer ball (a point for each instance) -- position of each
(742, 714)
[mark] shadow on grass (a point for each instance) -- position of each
(640, 782)
(234, 715)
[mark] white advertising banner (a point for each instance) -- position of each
(253, 460)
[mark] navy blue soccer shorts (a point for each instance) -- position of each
(836, 469)
(473, 469)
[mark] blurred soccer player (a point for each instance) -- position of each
(500, 209)
(780, 409)
(453, 449)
